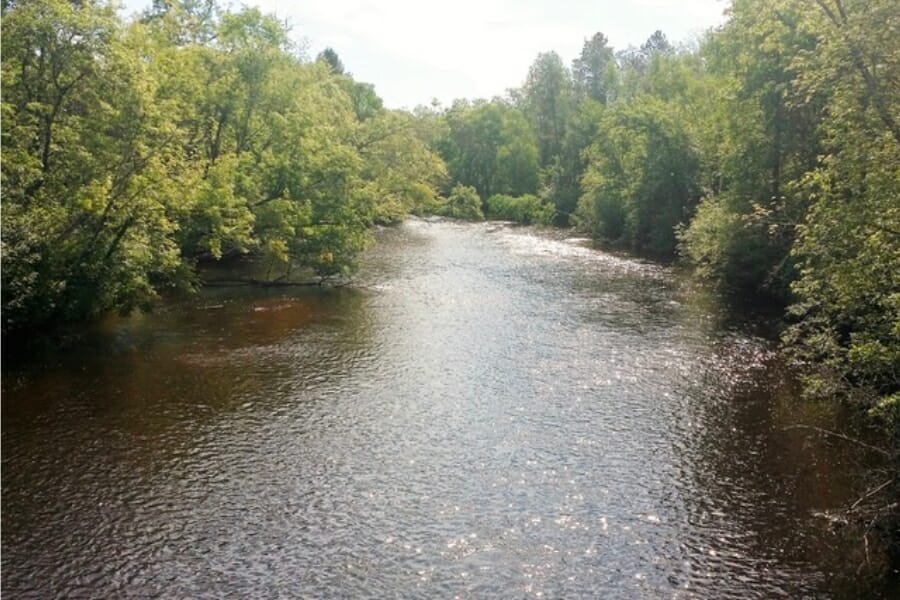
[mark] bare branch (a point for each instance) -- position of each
(881, 451)
(871, 493)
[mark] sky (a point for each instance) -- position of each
(414, 51)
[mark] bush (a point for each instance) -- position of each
(736, 251)
(526, 209)
(463, 203)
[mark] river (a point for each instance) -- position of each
(488, 411)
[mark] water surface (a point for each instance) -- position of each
(490, 410)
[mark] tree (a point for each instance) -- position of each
(132, 152)
(401, 172)
(526, 209)
(330, 57)
(562, 179)
(593, 72)
(86, 168)
(768, 139)
(546, 100)
(462, 203)
(183, 22)
(491, 147)
(640, 182)
(657, 43)
(846, 317)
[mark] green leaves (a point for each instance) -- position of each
(491, 147)
(640, 182)
(528, 209)
(462, 203)
(131, 152)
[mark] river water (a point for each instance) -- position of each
(488, 411)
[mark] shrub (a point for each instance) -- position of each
(463, 203)
(526, 209)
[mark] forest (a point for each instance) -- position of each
(765, 157)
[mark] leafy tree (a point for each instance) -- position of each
(657, 43)
(767, 140)
(640, 180)
(491, 147)
(183, 22)
(546, 100)
(562, 179)
(462, 203)
(846, 327)
(403, 174)
(131, 152)
(87, 192)
(329, 56)
(526, 209)
(594, 71)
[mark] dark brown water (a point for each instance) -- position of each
(491, 412)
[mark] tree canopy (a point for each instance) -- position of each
(766, 156)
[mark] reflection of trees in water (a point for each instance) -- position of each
(139, 396)
(193, 358)
(764, 492)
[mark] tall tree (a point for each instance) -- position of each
(593, 72)
(547, 100)
(640, 182)
(329, 56)
(87, 152)
(846, 315)
(491, 147)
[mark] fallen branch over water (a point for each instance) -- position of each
(847, 438)
(259, 283)
(871, 493)
(272, 283)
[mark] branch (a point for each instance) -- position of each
(259, 282)
(881, 451)
(840, 23)
(871, 493)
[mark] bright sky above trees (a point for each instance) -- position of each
(413, 50)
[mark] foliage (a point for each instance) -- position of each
(462, 203)
(547, 102)
(528, 209)
(329, 56)
(640, 180)
(403, 175)
(491, 147)
(846, 328)
(88, 166)
(594, 71)
(133, 151)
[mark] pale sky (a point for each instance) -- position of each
(415, 50)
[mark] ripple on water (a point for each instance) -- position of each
(494, 411)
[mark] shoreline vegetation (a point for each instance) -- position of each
(766, 156)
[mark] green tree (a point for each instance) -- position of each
(594, 71)
(767, 139)
(547, 101)
(401, 172)
(462, 203)
(640, 182)
(527, 209)
(562, 179)
(491, 147)
(329, 56)
(87, 156)
(846, 328)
